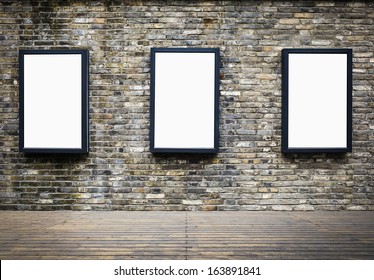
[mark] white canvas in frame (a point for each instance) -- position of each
(53, 101)
(184, 101)
(317, 100)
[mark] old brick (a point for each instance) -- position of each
(249, 172)
(304, 15)
(292, 21)
(209, 208)
(155, 196)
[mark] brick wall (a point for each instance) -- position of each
(250, 172)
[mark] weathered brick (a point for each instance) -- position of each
(249, 172)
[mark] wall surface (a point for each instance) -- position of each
(249, 172)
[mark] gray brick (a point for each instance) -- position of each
(249, 173)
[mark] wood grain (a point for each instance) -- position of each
(186, 235)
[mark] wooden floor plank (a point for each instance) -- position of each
(186, 235)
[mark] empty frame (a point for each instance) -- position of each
(184, 100)
(316, 100)
(53, 101)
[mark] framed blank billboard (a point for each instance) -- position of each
(53, 101)
(316, 100)
(184, 100)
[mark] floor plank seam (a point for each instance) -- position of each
(186, 234)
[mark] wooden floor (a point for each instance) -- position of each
(186, 235)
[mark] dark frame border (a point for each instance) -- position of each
(285, 78)
(84, 109)
(216, 51)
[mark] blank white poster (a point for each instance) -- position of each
(184, 100)
(53, 101)
(317, 112)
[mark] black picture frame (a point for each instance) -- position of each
(184, 101)
(316, 100)
(54, 101)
